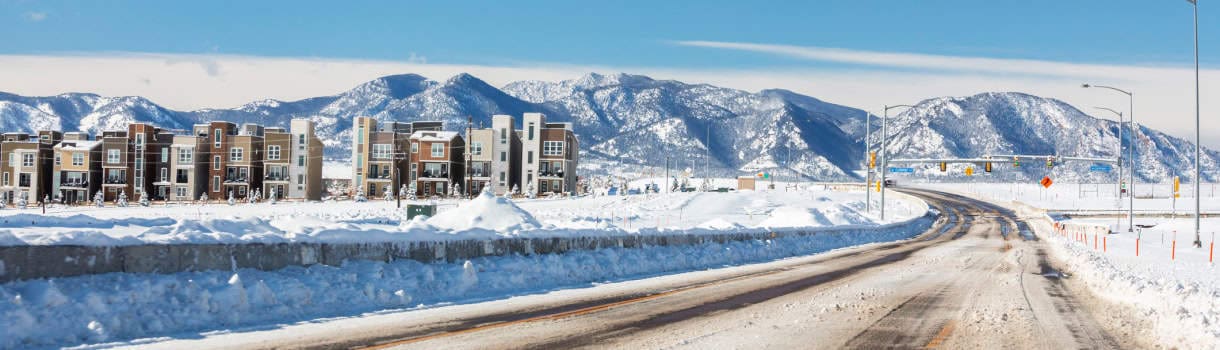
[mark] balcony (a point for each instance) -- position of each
(114, 181)
(276, 177)
(237, 180)
(74, 184)
(554, 174)
(435, 174)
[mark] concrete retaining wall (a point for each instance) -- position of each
(32, 262)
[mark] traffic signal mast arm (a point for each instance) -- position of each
(1002, 158)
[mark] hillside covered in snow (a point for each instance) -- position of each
(637, 120)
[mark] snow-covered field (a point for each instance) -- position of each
(123, 308)
(486, 217)
(1173, 286)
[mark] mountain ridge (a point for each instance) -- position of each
(635, 119)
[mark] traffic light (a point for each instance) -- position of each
(872, 160)
(944, 167)
(1016, 162)
(987, 167)
(1050, 162)
(969, 171)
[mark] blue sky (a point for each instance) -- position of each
(188, 55)
(631, 33)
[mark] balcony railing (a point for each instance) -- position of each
(69, 183)
(276, 177)
(235, 179)
(551, 174)
(436, 174)
(115, 181)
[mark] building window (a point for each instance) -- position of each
(217, 138)
(215, 162)
(78, 159)
(216, 184)
(301, 141)
(414, 147)
(186, 156)
(552, 148)
(5, 179)
(301, 160)
(503, 136)
(438, 150)
(300, 179)
(501, 178)
(164, 154)
(164, 175)
(382, 151)
(273, 152)
(139, 140)
(503, 156)
(58, 159)
(476, 148)
(113, 156)
(236, 154)
(182, 176)
(414, 171)
(27, 160)
(529, 157)
(531, 134)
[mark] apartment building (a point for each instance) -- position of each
(77, 169)
(136, 160)
(379, 153)
(25, 165)
(437, 161)
(292, 162)
(492, 154)
(188, 166)
(550, 153)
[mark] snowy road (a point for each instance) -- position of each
(969, 282)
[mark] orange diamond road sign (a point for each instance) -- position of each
(1046, 182)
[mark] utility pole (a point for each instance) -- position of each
(885, 159)
(469, 156)
(394, 169)
(1198, 175)
(667, 188)
(707, 146)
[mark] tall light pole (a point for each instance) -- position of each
(1130, 151)
(885, 159)
(1118, 192)
(1198, 152)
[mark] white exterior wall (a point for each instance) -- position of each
(531, 147)
(297, 170)
(502, 142)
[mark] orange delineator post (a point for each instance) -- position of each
(1137, 247)
(1211, 252)
(1104, 248)
(1094, 241)
(1173, 251)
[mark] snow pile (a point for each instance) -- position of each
(120, 307)
(819, 217)
(485, 212)
(1178, 297)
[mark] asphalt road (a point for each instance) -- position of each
(978, 279)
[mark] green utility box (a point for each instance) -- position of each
(414, 210)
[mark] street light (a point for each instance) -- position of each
(1131, 210)
(1130, 150)
(1198, 152)
(885, 159)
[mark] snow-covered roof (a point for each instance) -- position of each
(441, 136)
(78, 145)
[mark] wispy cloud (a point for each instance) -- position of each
(35, 16)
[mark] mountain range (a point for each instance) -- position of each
(625, 120)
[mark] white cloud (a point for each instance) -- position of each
(35, 16)
(1164, 97)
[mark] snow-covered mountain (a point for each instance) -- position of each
(635, 119)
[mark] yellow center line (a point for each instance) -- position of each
(942, 336)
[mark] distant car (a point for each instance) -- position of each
(891, 183)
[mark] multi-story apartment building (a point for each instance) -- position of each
(493, 155)
(550, 153)
(77, 169)
(232, 152)
(136, 160)
(379, 157)
(437, 161)
(25, 165)
(188, 166)
(292, 162)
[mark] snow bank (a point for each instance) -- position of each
(115, 308)
(485, 212)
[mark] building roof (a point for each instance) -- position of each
(435, 136)
(78, 145)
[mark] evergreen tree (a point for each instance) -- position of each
(203, 198)
(121, 202)
(411, 190)
(389, 193)
(22, 200)
(99, 200)
(144, 200)
(231, 200)
(274, 196)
